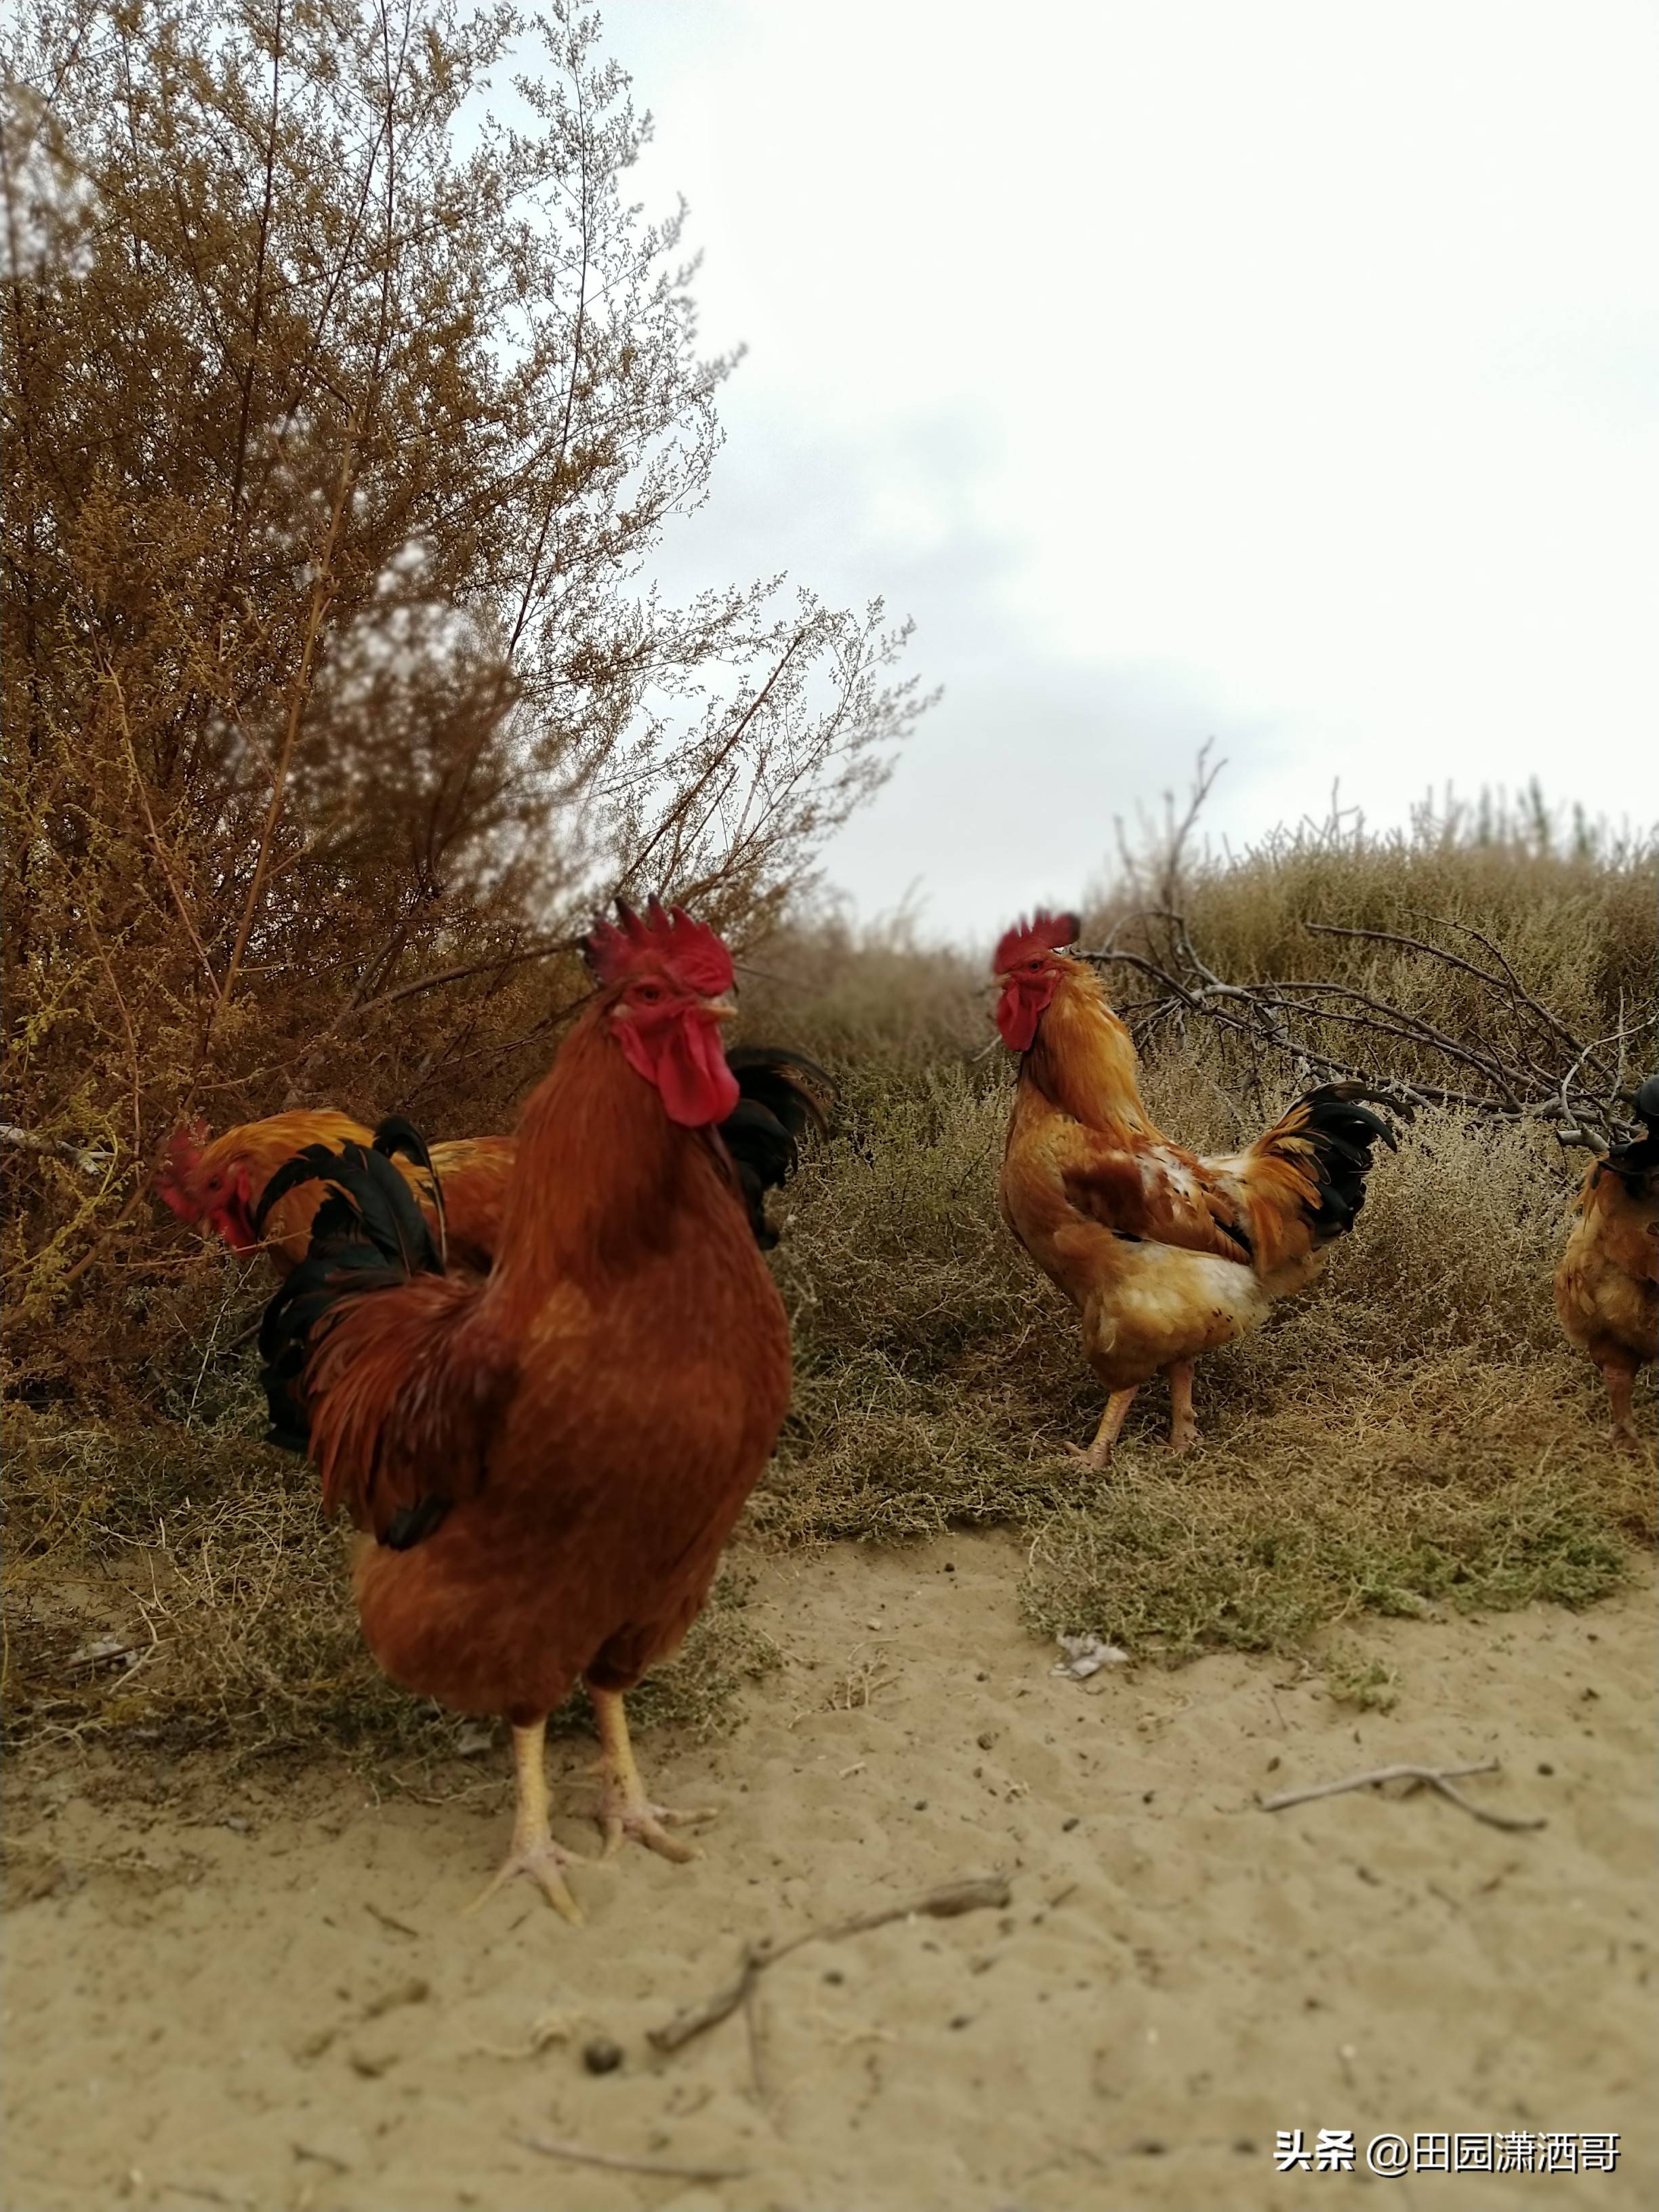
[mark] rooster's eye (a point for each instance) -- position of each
(648, 994)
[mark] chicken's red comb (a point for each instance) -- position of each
(661, 937)
(1043, 933)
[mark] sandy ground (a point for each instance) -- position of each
(261, 1993)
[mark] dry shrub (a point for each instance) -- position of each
(873, 999)
(1578, 928)
(339, 430)
(927, 1385)
(1571, 915)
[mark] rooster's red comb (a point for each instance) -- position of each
(1043, 933)
(661, 937)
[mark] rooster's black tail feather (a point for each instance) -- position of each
(782, 1095)
(1339, 1131)
(369, 1234)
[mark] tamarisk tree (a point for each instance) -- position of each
(342, 421)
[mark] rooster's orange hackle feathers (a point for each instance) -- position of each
(222, 1184)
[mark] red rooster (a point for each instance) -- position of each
(546, 1463)
(1166, 1255)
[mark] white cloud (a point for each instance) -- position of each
(1290, 372)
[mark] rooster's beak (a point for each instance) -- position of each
(724, 1009)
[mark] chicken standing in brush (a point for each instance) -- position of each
(1166, 1255)
(229, 1184)
(222, 1184)
(546, 1462)
(1607, 1287)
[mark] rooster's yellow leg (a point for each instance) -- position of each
(1618, 1381)
(1117, 1407)
(534, 1853)
(624, 1809)
(1184, 1428)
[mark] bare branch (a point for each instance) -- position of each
(942, 1904)
(1527, 1082)
(88, 1159)
(614, 2162)
(1439, 1779)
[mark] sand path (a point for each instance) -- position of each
(249, 1993)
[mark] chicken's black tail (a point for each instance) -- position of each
(1634, 1162)
(369, 1234)
(1330, 1132)
(783, 1094)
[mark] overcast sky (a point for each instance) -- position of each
(1282, 373)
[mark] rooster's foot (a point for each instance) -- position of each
(543, 1862)
(1098, 1456)
(624, 1810)
(534, 1853)
(1111, 1422)
(642, 1822)
(1184, 1428)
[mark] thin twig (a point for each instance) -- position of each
(574, 2155)
(943, 1904)
(323, 589)
(88, 1159)
(1436, 1778)
(386, 1920)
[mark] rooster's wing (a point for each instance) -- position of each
(385, 1368)
(1153, 1193)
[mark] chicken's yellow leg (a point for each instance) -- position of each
(534, 1852)
(1117, 1407)
(1618, 1381)
(1184, 1428)
(624, 1808)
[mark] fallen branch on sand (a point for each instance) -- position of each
(944, 1903)
(613, 2162)
(1436, 1778)
(573, 2154)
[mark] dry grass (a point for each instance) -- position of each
(1414, 1434)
